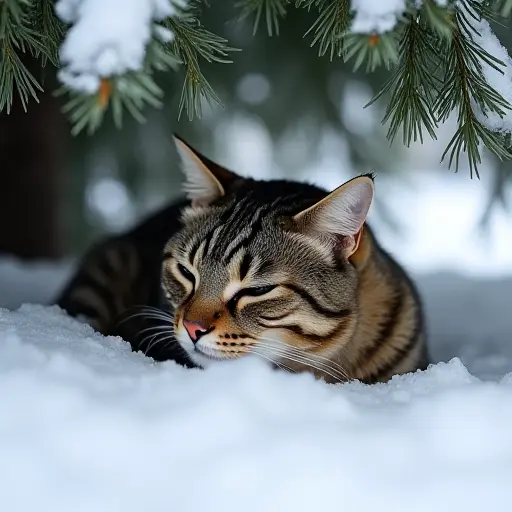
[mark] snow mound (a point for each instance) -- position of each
(88, 425)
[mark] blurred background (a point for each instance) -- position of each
(286, 113)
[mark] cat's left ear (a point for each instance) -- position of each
(206, 181)
(341, 215)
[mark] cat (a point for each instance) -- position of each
(278, 269)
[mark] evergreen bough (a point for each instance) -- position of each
(431, 55)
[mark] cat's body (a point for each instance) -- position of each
(280, 269)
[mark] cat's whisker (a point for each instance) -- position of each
(332, 365)
(280, 364)
(157, 327)
(136, 315)
(160, 328)
(170, 341)
(156, 341)
(305, 359)
(155, 316)
(300, 351)
(292, 347)
(311, 364)
(151, 308)
(151, 337)
(162, 315)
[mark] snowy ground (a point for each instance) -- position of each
(88, 425)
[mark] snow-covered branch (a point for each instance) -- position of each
(107, 38)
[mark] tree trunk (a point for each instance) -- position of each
(30, 160)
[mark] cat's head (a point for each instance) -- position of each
(263, 267)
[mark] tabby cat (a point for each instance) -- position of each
(279, 269)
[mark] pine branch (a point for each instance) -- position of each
(331, 25)
(412, 86)
(190, 43)
(464, 85)
(50, 29)
(439, 72)
(437, 61)
(179, 39)
(16, 36)
(11, 12)
(132, 91)
(271, 10)
(438, 18)
(375, 50)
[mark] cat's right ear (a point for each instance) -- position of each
(205, 181)
(341, 215)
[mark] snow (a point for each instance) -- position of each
(500, 81)
(89, 425)
(375, 16)
(107, 38)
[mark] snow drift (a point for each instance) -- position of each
(88, 425)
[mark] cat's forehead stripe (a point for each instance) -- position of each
(245, 265)
(253, 229)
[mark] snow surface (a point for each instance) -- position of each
(107, 38)
(88, 425)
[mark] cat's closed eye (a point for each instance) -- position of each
(257, 291)
(254, 291)
(186, 273)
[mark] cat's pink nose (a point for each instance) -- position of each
(195, 329)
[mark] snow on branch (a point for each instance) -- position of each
(379, 16)
(375, 17)
(108, 38)
(497, 76)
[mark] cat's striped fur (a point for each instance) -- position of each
(279, 269)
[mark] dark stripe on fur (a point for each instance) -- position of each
(403, 351)
(208, 241)
(244, 243)
(315, 305)
(386, 329)
(297, 329)
(104, 295)
(400, 354)
(277, 317)
(245, 265)
(193, 250)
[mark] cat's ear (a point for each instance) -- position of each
(341, 215)
(205, 181)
